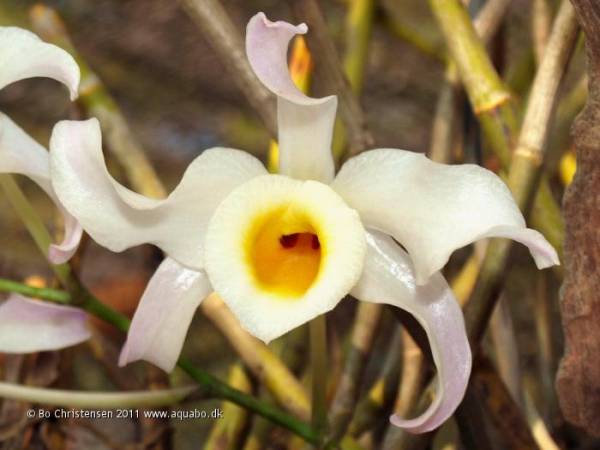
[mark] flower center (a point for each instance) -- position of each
(285, 253)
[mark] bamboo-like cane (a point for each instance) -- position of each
(382, 392)
(490, 100)
(547, 354)
(526, 161)
(362, 337)
(502, 331)
(486, 25)
(541, 22)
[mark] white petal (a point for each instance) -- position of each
(118, 218)
(21, 154)
(296, 207)
(389, 278)
(162, 319)
(28, 326)
(433, 209)
(24, 55)
(305, 124)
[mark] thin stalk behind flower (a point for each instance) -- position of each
(318, 362)
(217, 27)
(382, 392)
(362, 337)
(506, 349)
(359, 23)
(486, 25)
(411, 383)
(541, 23)
(227, 433)
(34, 224)
(547, 355)
(445, 119)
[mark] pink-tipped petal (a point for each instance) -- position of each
(162, 319)
(24, 55)
(389, 277)
(21, 154)
(433, 209)
(28, 326)
(305, 123)
(118, 218)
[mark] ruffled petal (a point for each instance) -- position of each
(119, 218)
(389, 278)
(433, 209)
(24, 55)
(162, 319)
(21, 154)
(280, 252)
(28, 326)
(305, 123)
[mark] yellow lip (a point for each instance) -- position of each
(284, 251)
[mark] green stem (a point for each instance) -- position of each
(318, 360)
(211, 385)
(53, 295)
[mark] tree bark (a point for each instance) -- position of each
(578, 380)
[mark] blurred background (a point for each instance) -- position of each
(178, 99)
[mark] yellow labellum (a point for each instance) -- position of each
(284, 252)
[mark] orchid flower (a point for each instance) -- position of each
(283, 249)
(28, 325)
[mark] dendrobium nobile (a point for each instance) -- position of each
(278, 249)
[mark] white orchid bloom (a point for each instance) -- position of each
(283, 249)
(28, 325)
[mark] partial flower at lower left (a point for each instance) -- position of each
(28, 326)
